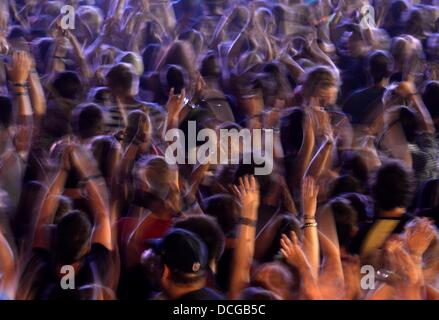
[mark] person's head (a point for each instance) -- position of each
(150, 56)
(430, 97)
(87, 121)
(122, 80)
(154, 186)
(415, 24)
(408, 119)
(133, 59)
(181, 53)
(209, 66)
(379, 66)
(195, 38)
(225, 209)
(321, 84)
(209, 231)
(175, 77)
(275, 277)
(346, 220)
(68, 85)
(353, 164)
(344, 184)
(392, 187)
(100, 95)
(355, 42)
(72, 238)
(396, 11)
(105, 149)
(91, 19)
(183, 258)
(139, 128)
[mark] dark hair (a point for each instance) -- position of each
(17, 32)
(396, 9)
(409, 123)
(207, 228)
(318, 78)
(120, 77)
(345, 218)
(5, 112)
(226, 211)
(379, 64)
(209, 66)
(149, 56)
(102, 149)
(87, 121)
(176, 78)
(137, 119)
(194, 37)
(345, 184)
(72, 234)
(68, 85)
(431, 98)
(352, 163)
(392, 186)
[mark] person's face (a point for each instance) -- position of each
(328, 96)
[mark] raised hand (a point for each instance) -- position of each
(20, 67)
(4, 45)
(292, 252)
(310, 192)
(248, 195)
(175, 103)
(401, 263)
(418, 236)
(406, 89)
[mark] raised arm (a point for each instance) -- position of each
(7, 267)
(97, 195)
(248, 193)
(310, 233)
(50, 202)
(18, 73)
(37, 95)
(408, 90)
(293, 254)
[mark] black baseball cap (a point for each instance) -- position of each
(182, 251)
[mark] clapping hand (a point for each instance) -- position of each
(418, 235)
(292, 251)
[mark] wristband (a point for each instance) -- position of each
(247, 222)
(20, 84)
(87, 179)
(310, 225)
(21, 94)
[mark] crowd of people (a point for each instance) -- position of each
(91, 208)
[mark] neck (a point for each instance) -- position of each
(383, 83)
(394, 213)
(176, 291)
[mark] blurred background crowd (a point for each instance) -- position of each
(90, 209)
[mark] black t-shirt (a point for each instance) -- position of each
(45, 283)
(364, 105)
(369, 229)
(353, 74)
(202, 294)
